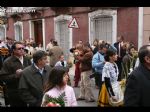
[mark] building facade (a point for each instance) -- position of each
(105, 23)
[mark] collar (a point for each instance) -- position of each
(40, 70)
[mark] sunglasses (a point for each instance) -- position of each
(21, 48)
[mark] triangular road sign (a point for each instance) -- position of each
(73, 24)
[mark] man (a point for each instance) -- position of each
(138, 84)
(98, 62)
(85, 59)
(54, 53)
(49, 45)
(118, 45)
(33, 78)
(11, 72)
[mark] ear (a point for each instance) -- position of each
(147, 59)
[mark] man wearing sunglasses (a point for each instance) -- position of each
(11, 71)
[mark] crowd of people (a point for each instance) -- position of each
(30, 73)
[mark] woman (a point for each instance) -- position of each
(128, 62)
(112, 95)
(57, 84)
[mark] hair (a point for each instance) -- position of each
(101, 46)
(144, 51)
(121, 37)
(38, 55)
(52, 39)
(14, 45)
(55, 78)
(109, 53)
(130, 48)
(55, 43)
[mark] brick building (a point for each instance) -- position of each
(106, 23)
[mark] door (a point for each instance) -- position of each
(38, 32)
(63, 37)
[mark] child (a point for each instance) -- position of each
(63, 63)
(57, 85)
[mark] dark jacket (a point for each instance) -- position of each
(86, 61)
(31, 85)
(8, 71)
(7, 75)
(138, 88)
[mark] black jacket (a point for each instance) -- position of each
(138, 88)
(31, 85)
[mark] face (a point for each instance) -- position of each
(80, 42)
(62, 58)
(104, 50)
(132, 51)
(19, 51)
(114, 57)
(65, 78)
(43, 61)
(95, 43)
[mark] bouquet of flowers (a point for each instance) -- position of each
(55, 102)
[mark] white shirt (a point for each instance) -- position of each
(21, 59)
(40, 70)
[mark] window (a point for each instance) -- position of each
(18, 31)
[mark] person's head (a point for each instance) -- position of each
(61, 58)
(9, 40)
(57, 77)
(110, 55)
(144, 55)
(80, 42)
(86, 49)
(40, 58)
(131, 50)
(120, 38)
(95, 42)
(51, 40)
(79, 46)
(55, 43)
(18, 49)
(102, 48)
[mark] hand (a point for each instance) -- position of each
(114, 98)
(18, 72)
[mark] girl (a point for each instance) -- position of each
(112, 95)
(57, 84)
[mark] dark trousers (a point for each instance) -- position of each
(98, 79)
(77, 74)
(13, 99)
(118, 62)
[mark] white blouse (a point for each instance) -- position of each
(70, 99)
(110, 70)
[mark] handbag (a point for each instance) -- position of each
(118, 94)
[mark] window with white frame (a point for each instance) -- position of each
(103, 25)
(18, 31)
(103, 28)
(2, 32)
(63, 34)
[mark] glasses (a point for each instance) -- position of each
(21, 48)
